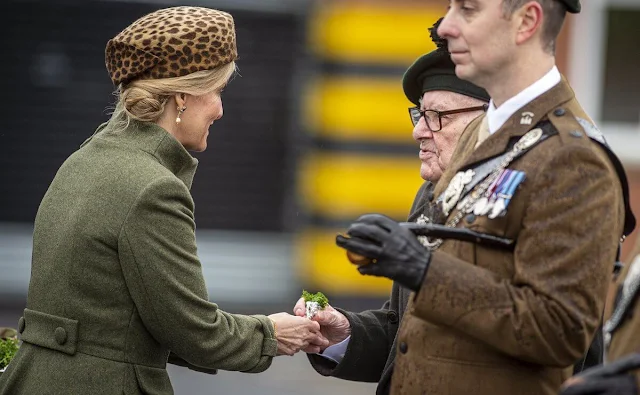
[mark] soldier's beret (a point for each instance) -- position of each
(171, 42)
(435, 71)
(573, 6)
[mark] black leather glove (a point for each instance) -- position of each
(396, 252)
(623, 384)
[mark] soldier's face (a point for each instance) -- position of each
(482, 41)
(436, 148)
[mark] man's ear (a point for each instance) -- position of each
(529, 18)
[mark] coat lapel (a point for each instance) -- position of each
(498, 142)
(466, 155)
(424, 197)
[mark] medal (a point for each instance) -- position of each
(454, 190)
(528, 139)
(497, 208)
(481, 207)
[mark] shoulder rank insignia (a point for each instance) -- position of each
(592, 130)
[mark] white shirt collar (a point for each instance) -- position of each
(498, 116)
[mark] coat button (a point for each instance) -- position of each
(21, 325)
(470, 218)
(60, 335)
(559, 112)
(403, 347)
(392, 316)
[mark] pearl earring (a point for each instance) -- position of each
(180, 111)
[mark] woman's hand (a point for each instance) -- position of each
(296, 333)
(334, 326)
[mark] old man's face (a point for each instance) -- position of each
(436, 148)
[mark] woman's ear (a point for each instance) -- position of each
(181, 100)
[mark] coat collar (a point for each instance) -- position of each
(520, 123)
(156, 141)
(425, 198)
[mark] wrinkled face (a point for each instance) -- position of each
(201, 113)
(481, 40)
(436, 148)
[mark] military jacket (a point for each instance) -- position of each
(492, 321)
(625, 339)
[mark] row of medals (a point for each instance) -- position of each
(478, 201)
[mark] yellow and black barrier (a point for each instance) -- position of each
(364, 159)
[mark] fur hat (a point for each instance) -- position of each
(171, 42)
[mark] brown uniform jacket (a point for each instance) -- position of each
(626, 338)
(490, 321)
(371, 352)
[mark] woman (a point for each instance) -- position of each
(116, 286)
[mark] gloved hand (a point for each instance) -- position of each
(396, 252)
(623, 384)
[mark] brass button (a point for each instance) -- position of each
(60, 335)
(403, 347)
(21, 325)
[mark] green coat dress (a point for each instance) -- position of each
(116, 285)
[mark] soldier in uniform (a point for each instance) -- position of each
(622, 332)
(535, 171)
(364, 343)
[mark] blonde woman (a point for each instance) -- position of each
(116, 288)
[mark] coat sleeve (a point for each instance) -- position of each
(157, 250)
(372, 336)
(548, 312)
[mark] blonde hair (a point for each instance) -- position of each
(145, 100)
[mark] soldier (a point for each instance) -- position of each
(622, 331)
(364, 343)
(370, 336)
(534, 170)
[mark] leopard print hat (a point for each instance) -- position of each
(171, 42)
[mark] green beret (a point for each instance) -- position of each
(436, 72)
(573, 6)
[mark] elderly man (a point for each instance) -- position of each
(534, 171)
(364, 344)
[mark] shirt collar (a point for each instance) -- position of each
(498, 116)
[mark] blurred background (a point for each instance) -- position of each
(315, 133)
